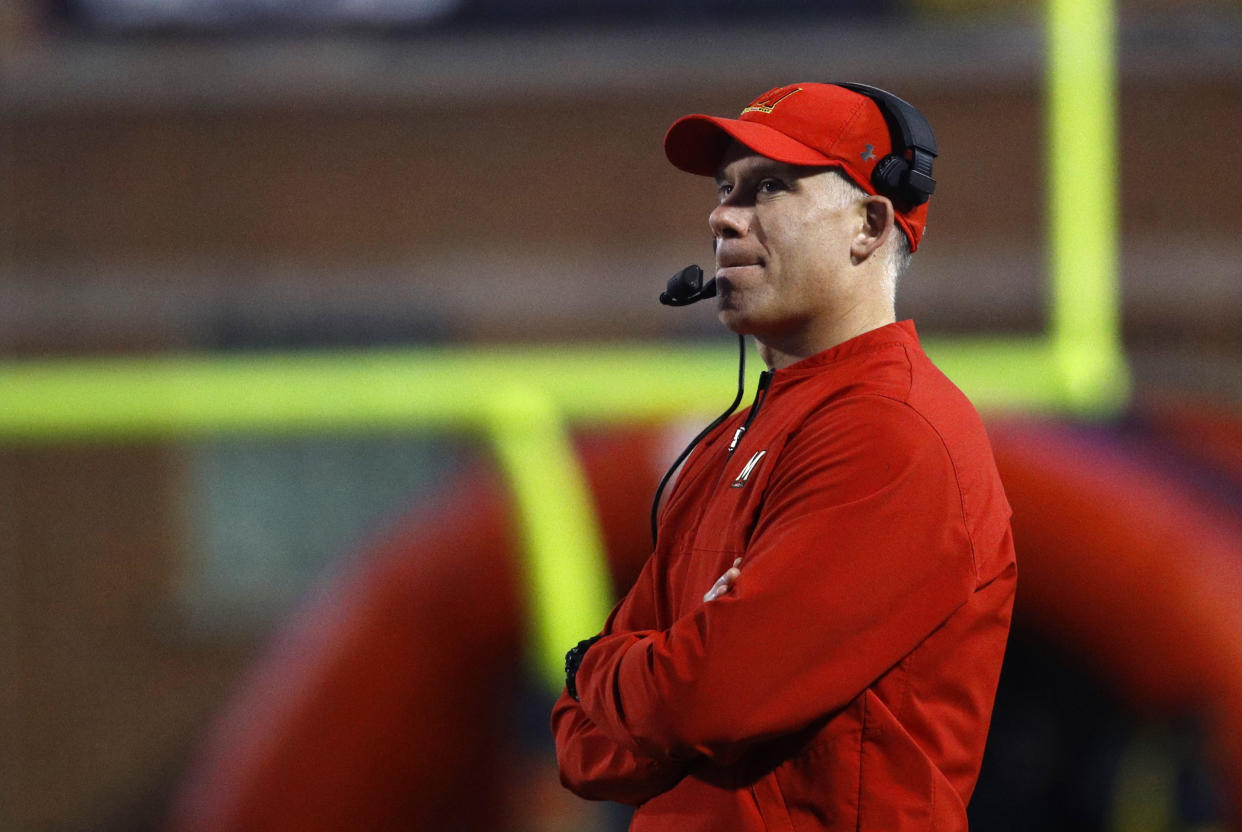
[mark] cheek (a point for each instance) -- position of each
(806, 244)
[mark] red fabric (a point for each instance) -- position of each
(847, 679)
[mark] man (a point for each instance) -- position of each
(815, 642)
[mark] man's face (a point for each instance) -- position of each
(783, 238)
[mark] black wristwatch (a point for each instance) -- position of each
(573, 659)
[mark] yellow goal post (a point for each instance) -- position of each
(522, 400)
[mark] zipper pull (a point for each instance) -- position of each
(765, 379)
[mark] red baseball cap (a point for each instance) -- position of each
(818, 125)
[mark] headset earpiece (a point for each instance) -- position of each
(889, 174)
(905, 175)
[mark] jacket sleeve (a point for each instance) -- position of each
(593, 764)
(859, 552)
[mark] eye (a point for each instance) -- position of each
(723, 189)
(770, 186)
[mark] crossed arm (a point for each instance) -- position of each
(595, 766)
(861, 552)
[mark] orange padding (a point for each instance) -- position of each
(386, 702)
(1122, 564)
(383, 705)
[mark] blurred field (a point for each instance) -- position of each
(485, 178)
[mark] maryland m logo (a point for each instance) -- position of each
(745, 474)
(767, 102)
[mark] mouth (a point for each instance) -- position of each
(736, 268)
(725, 267)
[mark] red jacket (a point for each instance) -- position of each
(847, 679)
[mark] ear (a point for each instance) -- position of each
(875, 227)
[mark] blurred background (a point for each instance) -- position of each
(326, 630)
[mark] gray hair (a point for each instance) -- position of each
(897, 249)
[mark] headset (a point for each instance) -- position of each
(904, 177)
(907, 181)
(686, 287)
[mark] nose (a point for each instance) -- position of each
(728, 220)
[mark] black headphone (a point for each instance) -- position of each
(904, 180)
(686, 287)
(907, 180)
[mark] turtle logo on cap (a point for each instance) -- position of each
(767, 102)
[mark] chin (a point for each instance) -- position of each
(736, 320)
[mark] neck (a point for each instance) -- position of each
(780, 352)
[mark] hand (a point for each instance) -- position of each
(725, 582)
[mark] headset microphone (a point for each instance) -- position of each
(687, 287)
(684, 288)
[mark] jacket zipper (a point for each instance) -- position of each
(761, 395)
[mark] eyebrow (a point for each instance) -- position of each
(766, 167)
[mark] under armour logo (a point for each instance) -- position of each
(869, 153)
(746, 471)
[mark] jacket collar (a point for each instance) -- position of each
(899, 332)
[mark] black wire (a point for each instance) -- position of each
(741, 385)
